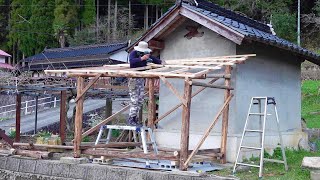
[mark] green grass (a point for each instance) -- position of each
(275, 171)
(311, 103)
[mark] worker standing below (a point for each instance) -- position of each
(139, 57)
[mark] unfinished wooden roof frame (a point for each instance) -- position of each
(202, 68)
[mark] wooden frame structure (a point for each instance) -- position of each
(189, 70)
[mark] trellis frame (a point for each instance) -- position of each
(202, 68)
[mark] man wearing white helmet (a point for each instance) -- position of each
(139, 57)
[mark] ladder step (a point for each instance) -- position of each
(253, 130)
(273, 160)
(249, 147)
(245, 164)
(259, 114)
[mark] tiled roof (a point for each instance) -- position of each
(248, 27)
(68, 65)
(80, 51)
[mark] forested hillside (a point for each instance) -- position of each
(29, 26)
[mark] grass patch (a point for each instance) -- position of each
(275, 171)
(311, 103)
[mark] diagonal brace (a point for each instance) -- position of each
(173, 89)
(95, 79)
(203, 138)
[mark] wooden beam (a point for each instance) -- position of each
(151, 103)
(18, 117)
(5, 137)
(184, 143)
(206, 134)
(78, 118)
(227, 76)
(174, 90)
(215, 26)
(195, 83)
(177, 106)
(63, 113)
(95, 79)
(225, 117)
(115, 154)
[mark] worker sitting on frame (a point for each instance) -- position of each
(139, 57)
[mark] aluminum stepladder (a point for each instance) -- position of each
(143, 134)
(262, 103)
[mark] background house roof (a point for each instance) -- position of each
(80, 51)
(2, 53)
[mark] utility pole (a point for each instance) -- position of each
(298, 29)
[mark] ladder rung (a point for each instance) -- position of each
(252, 165)
(249, 147)
(259, 114)
(254, 130)
(273, 160)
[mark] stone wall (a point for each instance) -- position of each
(28, 169)
(310, 71)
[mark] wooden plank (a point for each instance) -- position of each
(213, 59)
(18, 117)
(225, 117)
(215, 26)
(115, 154)
(155, 44)
(78, 119)
(63, 113)
(206, 134)
(174, 90)
(177, 106)
(195, 83)
(95, 79)
(185, 128)
(151, 103)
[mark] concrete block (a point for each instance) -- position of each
(43, 167)
(116, 173)
(27, 166)
(311, 162)
(135, 174)
(3, 161)
(72, 160)
(315, 174)
(179, 177)
(96, 172)
(151, 175)
(60, 169)
(12, 164)
(78, 171)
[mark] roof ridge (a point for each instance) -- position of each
(84, 47)
(237, 16)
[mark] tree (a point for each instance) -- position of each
(4, 18)
(41, 21)
(20, 28)
(65, 19)
(88, 12)
(285, 26)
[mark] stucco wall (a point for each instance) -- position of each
(204, 106)
(273, 73)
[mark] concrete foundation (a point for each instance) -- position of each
(27, 169)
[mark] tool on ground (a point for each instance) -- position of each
(143, 134)
(262, 103)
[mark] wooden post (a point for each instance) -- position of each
(36, 115)
(151, 104)
(108, 107)
(184, 143)
(78, 119)
(225, 116)
(63, 103)
(18, 117)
